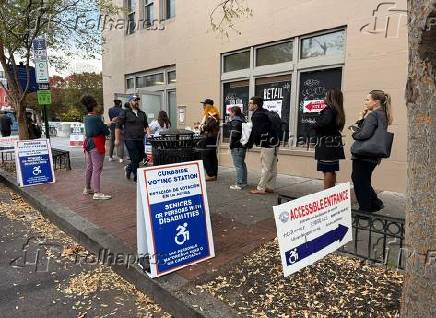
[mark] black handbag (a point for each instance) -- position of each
(379, 145)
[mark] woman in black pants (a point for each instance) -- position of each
(328, 126)
(210, 127)
(377, 110)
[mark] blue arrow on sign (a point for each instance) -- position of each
(306, 249)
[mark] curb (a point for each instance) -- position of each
(167, 291)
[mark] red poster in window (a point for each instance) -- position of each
(314, 106)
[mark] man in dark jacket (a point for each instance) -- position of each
(114, 112)
(134, 124)
(5, 125)
(261, 136)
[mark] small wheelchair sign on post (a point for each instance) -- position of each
(173, 222)
(34, 162)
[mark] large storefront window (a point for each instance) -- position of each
(235, 94)
(237, 61)
(276, 94)
(293, 87)
(313, 88)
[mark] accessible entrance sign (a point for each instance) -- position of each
(313, 226)
(34, 162)
(173, 221)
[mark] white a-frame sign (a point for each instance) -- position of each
(173, 221)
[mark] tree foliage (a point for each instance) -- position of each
(66, 95)
(225, 15)
(64, 25)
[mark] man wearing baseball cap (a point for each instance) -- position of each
(209, 129)
(133, 122)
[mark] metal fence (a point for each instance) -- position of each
(376, 238)
(61, 158)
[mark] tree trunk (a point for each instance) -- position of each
(23, 132)
(419, 286)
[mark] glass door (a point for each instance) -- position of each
(172, 108)
(151, 103)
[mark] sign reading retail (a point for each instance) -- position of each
(77, 134)
(276, 96)
(314, 106)
(313, 226)
(34, 162)
(173, 221)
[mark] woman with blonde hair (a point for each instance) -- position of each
(377, 114)
(209, 129)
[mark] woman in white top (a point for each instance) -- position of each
(159, 125)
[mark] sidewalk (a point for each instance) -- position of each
(241, 222)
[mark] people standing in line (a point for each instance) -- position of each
(133, 122)
(328, 127)
(94, 147)
(35, 132)
(237, 150)
(262, 136)
(114, 112)
(160, 124)
(5, 125)
(209, 129)
(377, 112)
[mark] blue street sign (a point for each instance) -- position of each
(306, 249)
(39, 44)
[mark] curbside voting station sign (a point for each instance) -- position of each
(34, 162)
(313, 226)
(173, 221)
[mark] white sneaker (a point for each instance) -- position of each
(235, 187)
(121, 160)
(87, 191)
(111, 159)
(101, 196)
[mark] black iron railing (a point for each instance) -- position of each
(376, 238)
(61, 158)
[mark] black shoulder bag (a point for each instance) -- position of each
(379, 145)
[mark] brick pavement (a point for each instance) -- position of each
(241, 222)
(237, 230)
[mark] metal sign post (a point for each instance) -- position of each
(42, 78)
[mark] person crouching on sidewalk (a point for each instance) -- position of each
(261, 135)
(237, 150)
(94, 148)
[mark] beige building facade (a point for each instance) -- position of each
(289, 52)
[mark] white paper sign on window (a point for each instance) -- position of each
(274, 106)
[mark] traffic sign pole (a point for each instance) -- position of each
(47, 128)
(42, 78)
